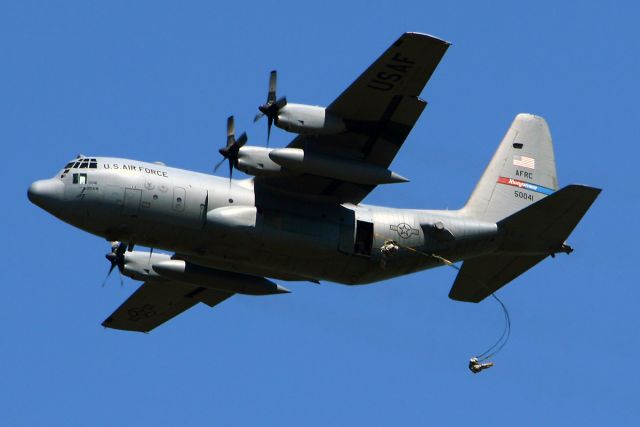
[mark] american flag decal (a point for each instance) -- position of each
(525, 162)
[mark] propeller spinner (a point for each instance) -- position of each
(232, 149)
(272, 107)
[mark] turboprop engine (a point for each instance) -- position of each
(297, 118)
(260, 161)
(145, 266)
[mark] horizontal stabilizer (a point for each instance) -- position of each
(530, 235)
(545, 225)
(480, 277)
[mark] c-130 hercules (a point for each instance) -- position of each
(300, 217)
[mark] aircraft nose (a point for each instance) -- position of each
(46, 193)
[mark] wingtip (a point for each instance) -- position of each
(426, 35)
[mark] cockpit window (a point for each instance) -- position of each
(80, 178)
(82, 164)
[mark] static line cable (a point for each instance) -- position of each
(502, 341)
(476, 363)
(506, 332)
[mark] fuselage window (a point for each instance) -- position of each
(75, 165)
(93, 165)
(84, 164)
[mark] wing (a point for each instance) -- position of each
(401, 72)
(157, 301)
(379, 109)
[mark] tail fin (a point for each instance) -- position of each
(521, 172)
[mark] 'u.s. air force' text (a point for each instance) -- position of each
(392, 73)
(136, 168)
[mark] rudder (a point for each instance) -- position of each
(521, 172)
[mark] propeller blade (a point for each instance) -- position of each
(272, 107)
(116, 258)
(113, 266)
(230, 131)
(273, 81)
(242, 140)
(231, 151)
(215, 169)
(281, 102)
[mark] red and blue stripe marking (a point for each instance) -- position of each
(525, 185)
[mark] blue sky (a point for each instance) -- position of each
(156, 80)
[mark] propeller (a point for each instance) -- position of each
(232, 149)
(272, 107)
(116, 258)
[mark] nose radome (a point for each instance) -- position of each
(46, 193)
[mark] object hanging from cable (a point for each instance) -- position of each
(498, 345)
(479, 363)
(231, 151)
(272, 107)
(476, 366)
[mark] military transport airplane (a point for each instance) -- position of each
(300, 218)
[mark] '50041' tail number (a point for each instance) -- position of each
(523, 195)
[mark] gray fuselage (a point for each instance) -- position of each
(230, 225)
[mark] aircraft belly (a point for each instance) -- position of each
(275, 244)
(221, 227)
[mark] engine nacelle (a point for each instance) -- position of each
(309, 119)
(256, 161)
(298, 161)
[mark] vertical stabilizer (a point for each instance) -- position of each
(521, 172)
